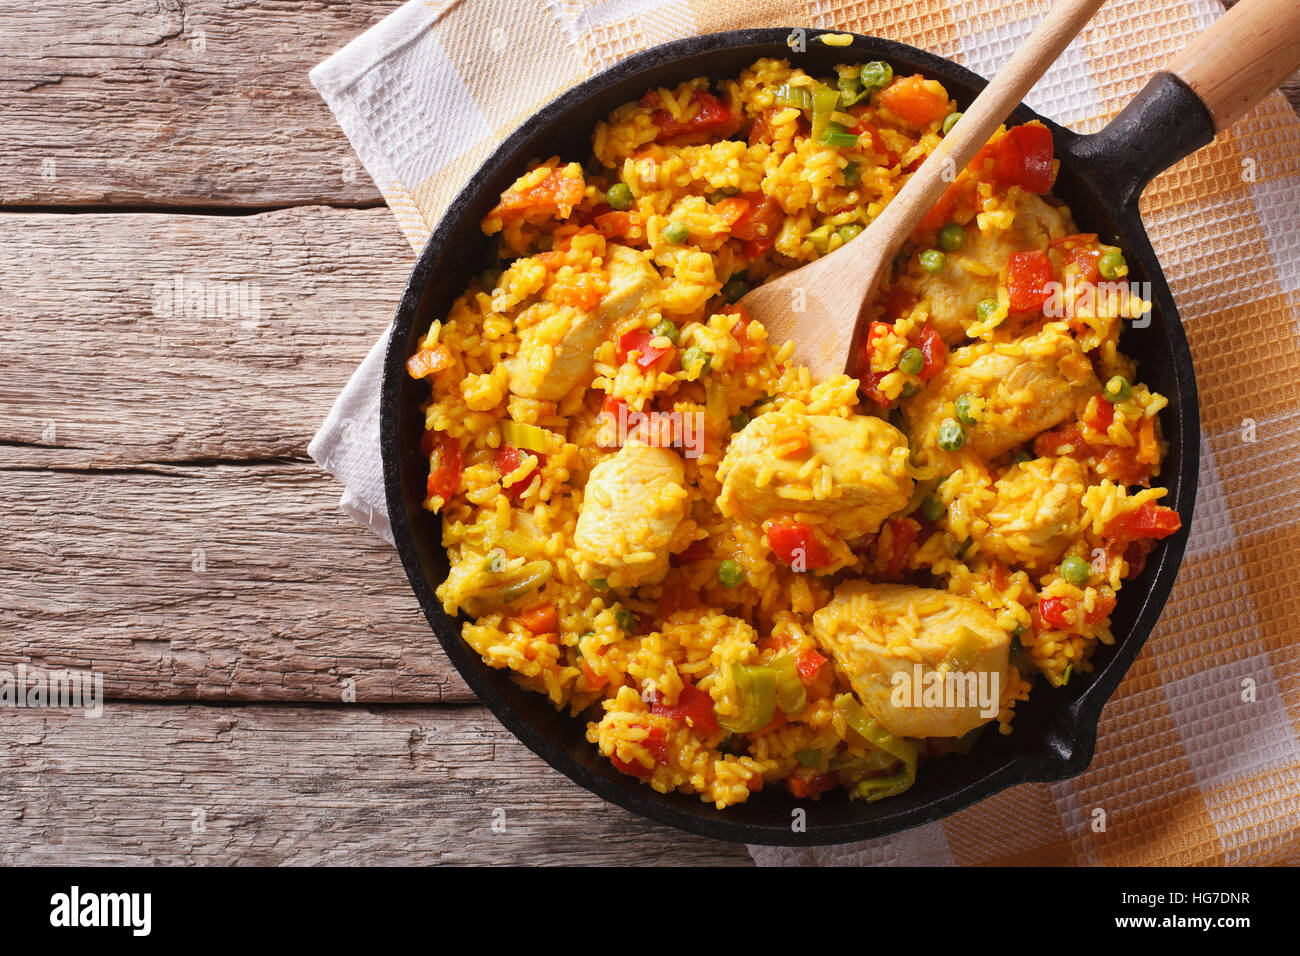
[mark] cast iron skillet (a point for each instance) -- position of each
(1101, 177)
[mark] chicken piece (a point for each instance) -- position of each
(1029, 386)
(956, 291)
(853, 470)
(1036, 512)
(631, 516)
(889, 639)
(556, 342)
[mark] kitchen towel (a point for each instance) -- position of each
(1198, 759)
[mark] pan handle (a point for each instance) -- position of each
(1225, 71)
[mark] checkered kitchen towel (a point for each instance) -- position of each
(1198, 760)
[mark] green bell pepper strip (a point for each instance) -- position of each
(825, 101)
(756, 694)
(791, 696)
(796, 96)
(870, 730)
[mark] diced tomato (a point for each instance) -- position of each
(1058, 613)
(915, 100)
(1147, 521)
(761, 220)
(542, 619)
(1102, 416)
(583, 291)
(707, 117)
(904, 532)
(612, 224)
(869, 380)
(429, 361)
(694, 708)
(1066, 440)
(1028, 277)
(808, 665)
(648, 356)
(863, 127)
(1120, 464)
(731, 209)
(750, 351)
(555, 196)
(1080, 250)
(795, 542)
(445, 466)
(508, 459)
(594, 681)
(804, 787)
(941, 212)
(760, 131)
(656, 743)
(934, 352)
(1024, 158)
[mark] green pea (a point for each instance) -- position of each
(985, 308)
(676, 233)
(619, 196)
(1117, 389)
(735, 289)
(909, 389)
(739, 421)
(625, 619)
(850, 231)
(933, 261)
(695, 357)
(600, 584)
(932, 507)
(1075, 570)
(949, 122)
(876, 75)
(667, 329)
(730, 574)
(1110, 265)
(962, 405)
(852, 174)
(952, 237)
(911, 362)
(951, 435)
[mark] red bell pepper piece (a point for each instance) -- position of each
(794, 542)
(694, 708)
(1028, 277)
(508, 459)
(445, 465)
(707, 117)
(648, 356)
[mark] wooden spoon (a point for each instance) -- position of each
(817, 306)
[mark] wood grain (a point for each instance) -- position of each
(266, 785)
(1245, 55)
(174, 103)
(97, 373)
(223, 582)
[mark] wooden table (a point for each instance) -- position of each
(164, 525)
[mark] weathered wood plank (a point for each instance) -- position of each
(171, 103)
(210, 583)
(278, 785)
(105, 364)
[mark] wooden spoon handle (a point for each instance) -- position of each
(1247, 54)
(1003, 94)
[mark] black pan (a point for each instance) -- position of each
(1101, 177)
